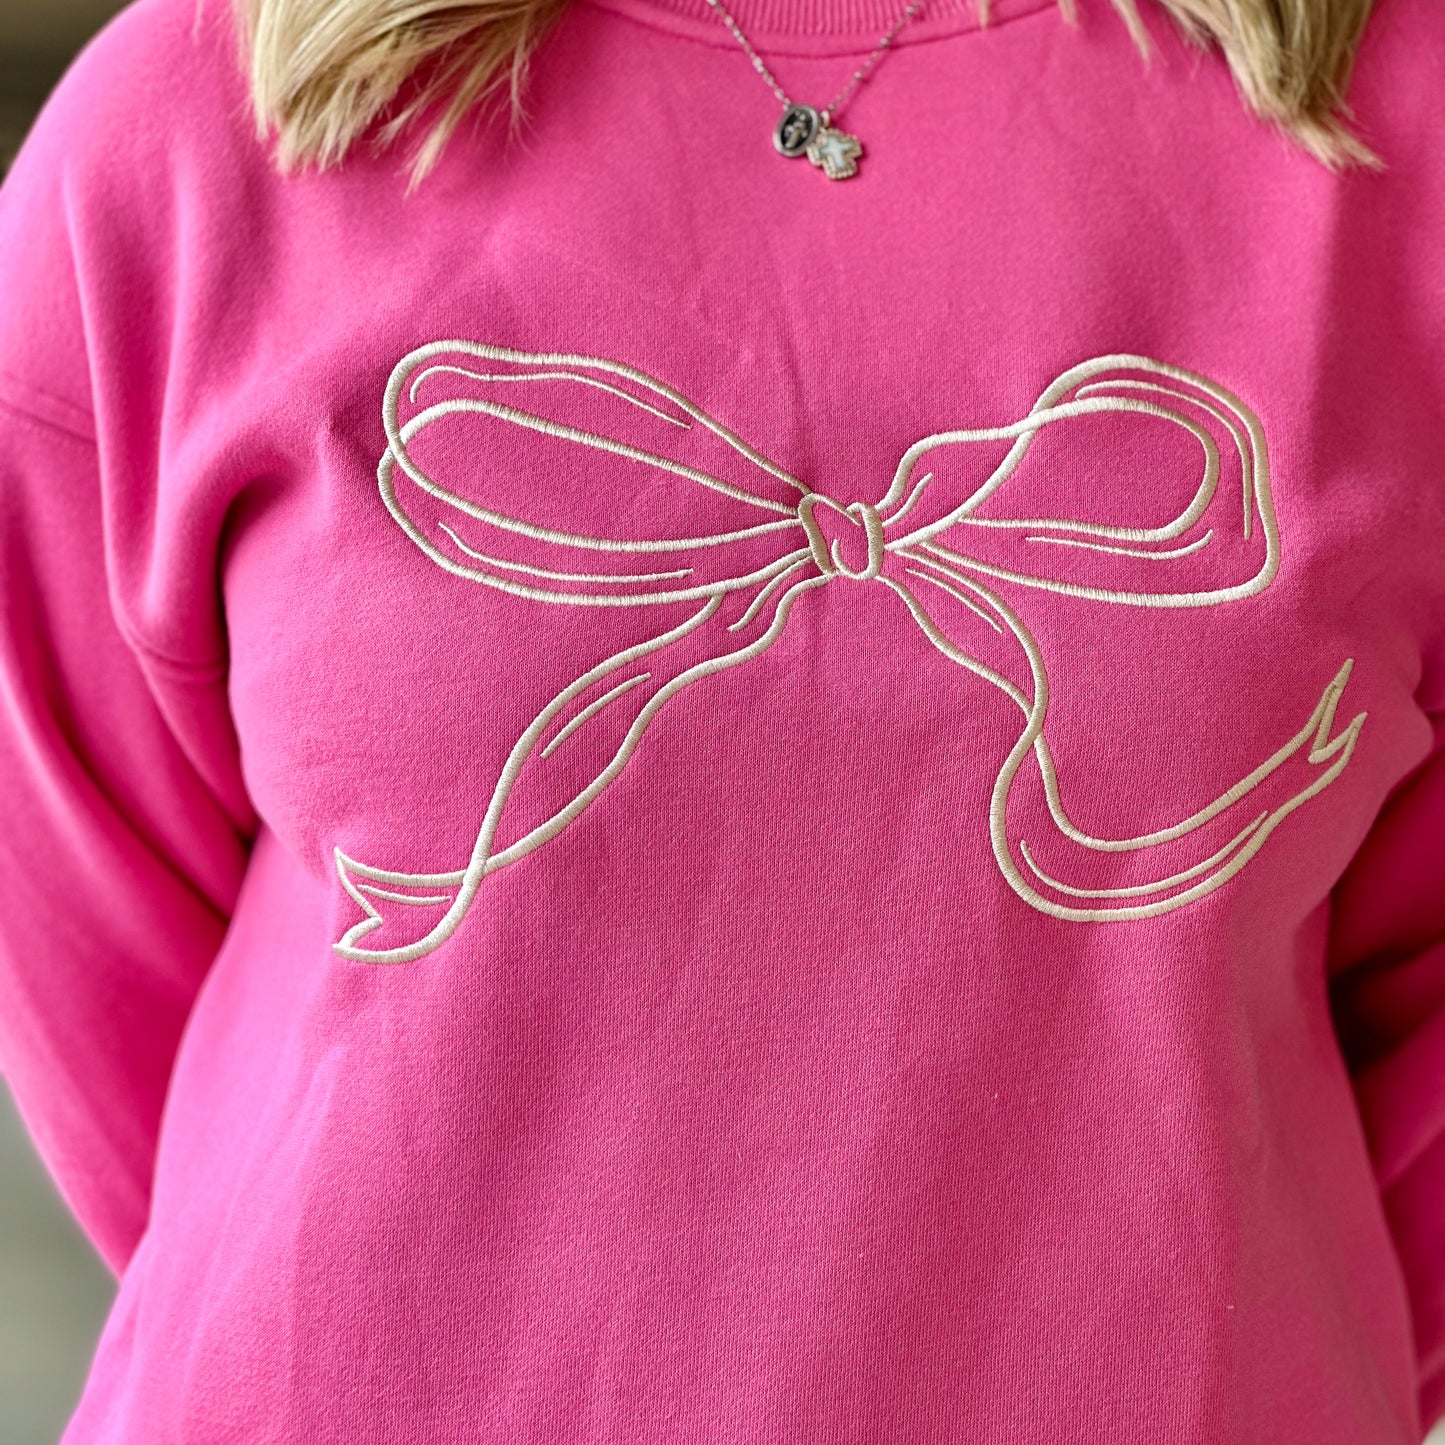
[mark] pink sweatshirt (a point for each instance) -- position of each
(649, 798)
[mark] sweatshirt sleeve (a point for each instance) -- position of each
(124, 823)
(1388, 967)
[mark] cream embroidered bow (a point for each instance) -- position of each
(744, 580)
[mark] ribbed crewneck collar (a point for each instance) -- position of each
(819, 27)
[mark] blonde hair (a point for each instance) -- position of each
(323, 72)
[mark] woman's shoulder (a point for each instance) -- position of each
(1388, 224)
(1399, 75)
(143, 155)
(160, 85)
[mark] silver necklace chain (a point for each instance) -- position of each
(830, 112)
(804, 130)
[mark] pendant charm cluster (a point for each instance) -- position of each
(803, 131)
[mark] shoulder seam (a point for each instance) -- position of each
(200, 671)
(189, 668)
(31, 405)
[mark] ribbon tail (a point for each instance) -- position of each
(384, 896)
(1318, 753)
(562, 762)
(1300, 769)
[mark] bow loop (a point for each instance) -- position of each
(1128, 481)
(559, 478)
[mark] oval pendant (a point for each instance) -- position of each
(795, 132)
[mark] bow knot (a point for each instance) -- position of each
(838, 526)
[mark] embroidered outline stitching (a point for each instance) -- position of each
(951, 571)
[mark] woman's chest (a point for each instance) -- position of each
(1110, 614)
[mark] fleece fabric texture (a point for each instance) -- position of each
(650, 797)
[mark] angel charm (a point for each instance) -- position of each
(761, 539)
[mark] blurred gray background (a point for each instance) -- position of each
(37, 38)
(54, 1291)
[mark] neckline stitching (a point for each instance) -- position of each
(654, 17)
